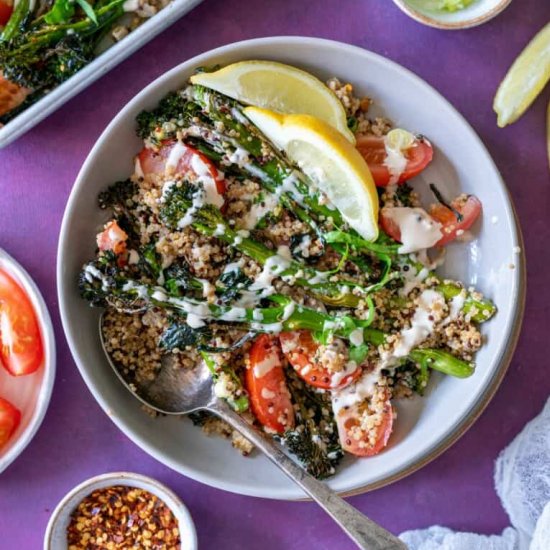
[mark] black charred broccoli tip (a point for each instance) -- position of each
(173, 108)
(117, 195)
(314, 441)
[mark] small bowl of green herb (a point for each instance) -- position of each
(452, 14)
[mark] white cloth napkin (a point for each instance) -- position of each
(522, 481)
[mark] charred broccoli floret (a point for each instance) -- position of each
(314, 440)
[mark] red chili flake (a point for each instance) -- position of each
(122, 517)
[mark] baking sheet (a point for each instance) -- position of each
(97, 68)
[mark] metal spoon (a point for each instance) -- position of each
(182, 391)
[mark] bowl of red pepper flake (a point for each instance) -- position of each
(120, 510)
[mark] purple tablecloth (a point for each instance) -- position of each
(77, 440)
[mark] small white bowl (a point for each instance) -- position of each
(56, 531)
(475, 14)
(30, 394)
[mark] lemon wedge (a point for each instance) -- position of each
(278, 87)
(525, 79)
(331, 162)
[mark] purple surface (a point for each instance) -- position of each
(77, 440)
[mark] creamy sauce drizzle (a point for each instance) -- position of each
(422, 326)
(418, 229)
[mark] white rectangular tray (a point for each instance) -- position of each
(98, 67)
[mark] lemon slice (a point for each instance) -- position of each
(330, 160)
(278, 87)
(525, 79)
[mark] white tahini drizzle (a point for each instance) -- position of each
(205, 177)
(395, 162)
(260, 210)
(337, 377)
(176, 154)
(270, 361)
(422, 323)
(422, 326)
(418, 229)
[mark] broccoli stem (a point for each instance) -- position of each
(272, 169)
(481, 309)
(286, 315)
(442, 361)
(239, 401)
(210, 221)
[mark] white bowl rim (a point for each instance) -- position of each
(13, 267)
(410, 466)
(436, 23)
(164, 493)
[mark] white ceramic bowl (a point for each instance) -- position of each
(30, 394)
(475, 14)
(56, 531)
(426, 426)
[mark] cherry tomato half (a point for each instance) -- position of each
(189, 160)
(300, 348)
(469, 207)
(113, 237)
(373, 150)
(265, 381)
(364, 442)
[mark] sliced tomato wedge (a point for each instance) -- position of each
(265, 381)
(6, 9)
(10, 417)
(188, 160)
(21, 350)
(468, 206)
(373, 150)
(300, 349)
(365, 442)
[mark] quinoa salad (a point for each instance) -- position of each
(219, 248)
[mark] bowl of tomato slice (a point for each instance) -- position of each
(27, 359)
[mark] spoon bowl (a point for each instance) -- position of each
(174, 390)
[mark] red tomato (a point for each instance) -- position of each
(154, 162)
(299, 348)
(373, 149)
(6, 9)
(112, 238)
(21, 349)
(265, 381)
(9, 420)
(468, 206)
(361, 442)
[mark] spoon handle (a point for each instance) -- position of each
(363, 531)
